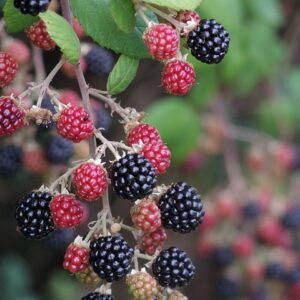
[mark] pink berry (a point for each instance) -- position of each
(159, 155)
(162, 41)
(178, 77)
(38, 34)
(70, 97)
(34, 161)
(243, 246)
(11, 116)
(90, 181)
(146, 216)
(76, 258)
(144, 133)
(75, 124)
(66, 211)
(153, 242)
(19, 51)
(8, 69)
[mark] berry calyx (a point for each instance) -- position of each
(32, 7)
(144, 133)
(90, 181)
(145, 216)
(181, 208)
(159, 155)
(178, 77)
(190, 18)
(33, 215)
(111, 257)
(162, 41)
(11, 116)
(153, 242)
(173, 268)
(8, 69)
(209, 42)
(76, 257)
(66, 211)
(74, 124)
(133, 177)
(38, 34)
(142, 286)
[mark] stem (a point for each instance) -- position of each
(66, 11)
(61, 178)
(39, 65)
(109, 145)
(93, 229)
(47, 81)
(106, 205)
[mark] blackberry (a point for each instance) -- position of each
(32, 7)
(275, 270)
(251, 210)
(222, 256)
(227, 289)
(209, 41)
(58, 150)
(133, 177)
(111, 257)
(173, 268)
(60, 238)
(181, 208)
(291, 219)
(100, 61)
(33, 215)
(97, 296)
(10, 160)
(102, 118)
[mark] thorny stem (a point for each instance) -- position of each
(94, 229)
(106, 205)
(115, 107)
(66, 11)
(167, 17)
(61, 178)
(47, 81)
(109, 145)
(39, 64)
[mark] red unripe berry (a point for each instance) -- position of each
(162, 41)
(75, 124)
(159, 155)
(243, 246)
(19, 51)
(11, 116)
(34, 161)
(205, 246)
(255, 269)
(66, 211)
(178, 77)
(38, 34)
(70, 97)
(69, 69)
(76, 258)
(90, 181)
(144, 133)
(226, 207)
(146, 216)
(153, 242)
(8, 69)
(269, 230)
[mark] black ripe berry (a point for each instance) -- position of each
(97, 296)
(33, 215)
(32, 7)
(133, 177)
(10, 160)
(111, 257)
(181, 208)
(209, 42)
(173, 268)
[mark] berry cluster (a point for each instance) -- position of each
(207, 39)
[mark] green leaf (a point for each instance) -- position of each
(63, 35)
(123, 13)
(178, 125)
(97, 21)
(14, 20)
(122, 74)
(177, 5)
